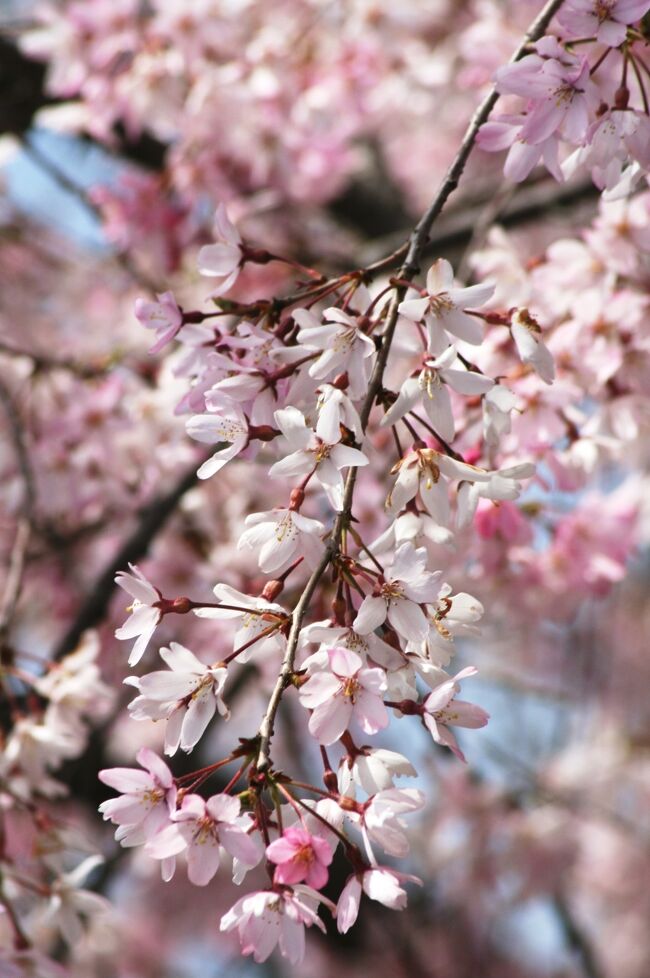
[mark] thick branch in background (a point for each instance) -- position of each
(151, 520)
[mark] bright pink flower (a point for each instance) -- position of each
(300, 858)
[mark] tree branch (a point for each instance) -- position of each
(412, 252)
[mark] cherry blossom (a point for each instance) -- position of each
(344, 346)
(442, 710)
(344, 692)
(186, 697)
(223, 259)
(442, 308)
(309, 453)
(145, 611)
(164, 316)
(147, 799)
(280, 536)
(227, 424)
(300, 857)
(271, 917)
(382, 817)
(399, 594)
(254, 619)
(606, 19)
(378, 883)
(202, 829)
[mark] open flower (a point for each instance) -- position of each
(145, 611)
(430, 388)
(378, 883)
(147, 798)
(607, 20)
(309, 453)
(223, 259)
(227, 424)
(281, 535)
(398, 597)
(345, 692)
(344, 345)
(442, 710)
(163, 316)
(442, 308)
(202, 829)
(269, 917)
(186, 697)
(300, 857)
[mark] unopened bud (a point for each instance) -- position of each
(179, 606)
(296, 499)
(330, 780)
(271, 590)
(262, 432)
(622, 97)
(341, 381)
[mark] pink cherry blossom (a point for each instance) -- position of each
(606, 19)
(202, 829)
(147, 798)
(163, 316)
(300, 857)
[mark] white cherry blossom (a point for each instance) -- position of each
(442, 308)
(527, 335)
(309, 453)
(145, 611)
(223, 259)
(186, 696)
(227, 424)
(429, 388)
(344, 346)
(280, 536)
(398, 597)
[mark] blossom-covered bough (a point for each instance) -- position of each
(340, 688)
(338, 395)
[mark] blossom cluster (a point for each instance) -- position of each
(377, 460)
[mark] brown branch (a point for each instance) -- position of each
(412, 252)
(152, 518)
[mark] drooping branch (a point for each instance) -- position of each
(412, 252)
